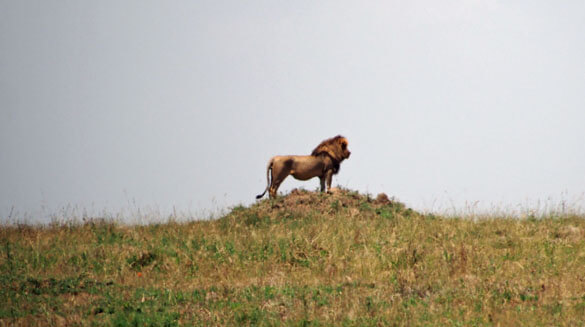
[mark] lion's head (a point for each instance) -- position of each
(335, 148)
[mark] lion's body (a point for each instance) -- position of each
(323, 163)
(300, 167)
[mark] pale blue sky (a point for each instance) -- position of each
(154, 104)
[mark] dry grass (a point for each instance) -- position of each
(303, 259)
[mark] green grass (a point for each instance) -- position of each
(306, 259)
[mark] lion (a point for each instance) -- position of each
(323, 162)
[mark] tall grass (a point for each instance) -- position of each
(304, 259)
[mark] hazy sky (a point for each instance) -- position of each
(153, 104)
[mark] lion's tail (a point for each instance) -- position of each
(268, 169)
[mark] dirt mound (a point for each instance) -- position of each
(345, 198)
(302, 202)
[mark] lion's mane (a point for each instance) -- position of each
(333, 148)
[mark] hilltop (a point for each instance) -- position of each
(303, 259)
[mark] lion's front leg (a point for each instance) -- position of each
(322, 180)
(328, 177)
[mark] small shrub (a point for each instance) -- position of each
(140, 261)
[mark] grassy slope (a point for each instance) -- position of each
(304, 259)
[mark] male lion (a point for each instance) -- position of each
(323, 162)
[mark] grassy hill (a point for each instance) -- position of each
(305, 259)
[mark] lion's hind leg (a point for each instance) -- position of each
(276, 181)
(280, 170)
